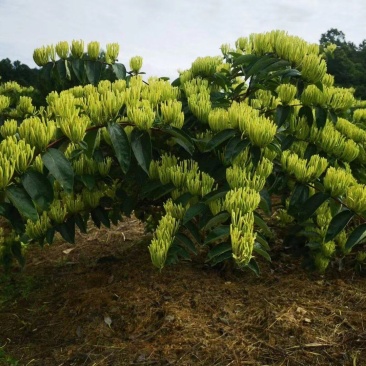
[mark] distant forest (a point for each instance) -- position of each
(347, 64)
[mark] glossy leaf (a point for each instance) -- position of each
(338, 223)
(119, 71)
(193, 211)
(121, 145)
(282, 113)
(67, 230)
(22, 201)
(218, 233)
(298, 197)
(260, 250)
(93, 71)
(186, 242)
(219, 138)
(218, 219)
(78, 68)
(181, 138)
(357, 236)
(141, 147)
(8, 211)
(39, 188)
(218, 250)
(61, 168)
(311, 205)
(320, 117)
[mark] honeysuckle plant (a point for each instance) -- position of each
(207, 152)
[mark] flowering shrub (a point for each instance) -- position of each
(210, 149)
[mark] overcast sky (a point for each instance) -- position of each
(169, 34)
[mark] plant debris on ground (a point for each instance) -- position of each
(101, 302)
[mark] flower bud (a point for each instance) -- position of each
(136, 64)
(41, 56)
(93, 50)
(77, 49)
(112, 53)
(62, 49)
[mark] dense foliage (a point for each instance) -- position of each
(204, 155)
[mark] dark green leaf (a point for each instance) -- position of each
(357, 236)
(8, 211)
(255, 152)
(50, 233)
(186, 242)
(218, 219)
(221, 258)
(260, 65)
(215, 195)
(218, 233)
(78, 68)
(22, 201)
(333, 116)
(260, 239)
(90, 140)
(338, 223)
(16, 249)
(119, 70)
(99, 214)
(298, 197)
(219, 138)
(57, 164)
(141, 147)
(265, 204)
(67, 230)
(218, 250)
(311, 205)
(262, 225)
(93, 71)
(39, 188)
(193, 211)
(244, 60)
(259, 250)
(234, 147)
(184, 199)
(181, 138)
(121, 145)
(307, 112)
(320, 117)
(253, 265)
(81, 223)
(282, 113)
(191, 227)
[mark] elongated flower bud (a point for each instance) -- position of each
(93, 50)
(136, 64)
(112, 53)
(77, 48)
(62, 49)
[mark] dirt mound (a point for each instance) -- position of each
(101, 302)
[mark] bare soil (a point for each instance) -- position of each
(101, 302)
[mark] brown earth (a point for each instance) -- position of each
(101, 302)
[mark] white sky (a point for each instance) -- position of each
(168, 34)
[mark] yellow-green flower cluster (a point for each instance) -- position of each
(172, 114)
(77, 48)
(264, 100)
(6, 170)
(286, 92)
(334, 143)
(4, 102)
(205, 66)
(340, 99)
(62, 50)
(196, 86)
(258, 128)
(9, 128)
(356, 198)
(57, 212)
(112, 52)
(241, 200)
(158, 169)
(218, 119)
(312, 95)
(176, 210)
(244, 175)
(74, 128)
(38, 229)
(41, 56)
(157, 90)
(136, 64)
(93, 50)
(313, 68)
(163, 239)
(200, 105)
(321, 262)
(72, 202)
(337, 181)
(328, 80)
(359, 115)
(242, 237)
(91, 198)
(36, 132)
(142, 115)
(304, 171)
(350, 130)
